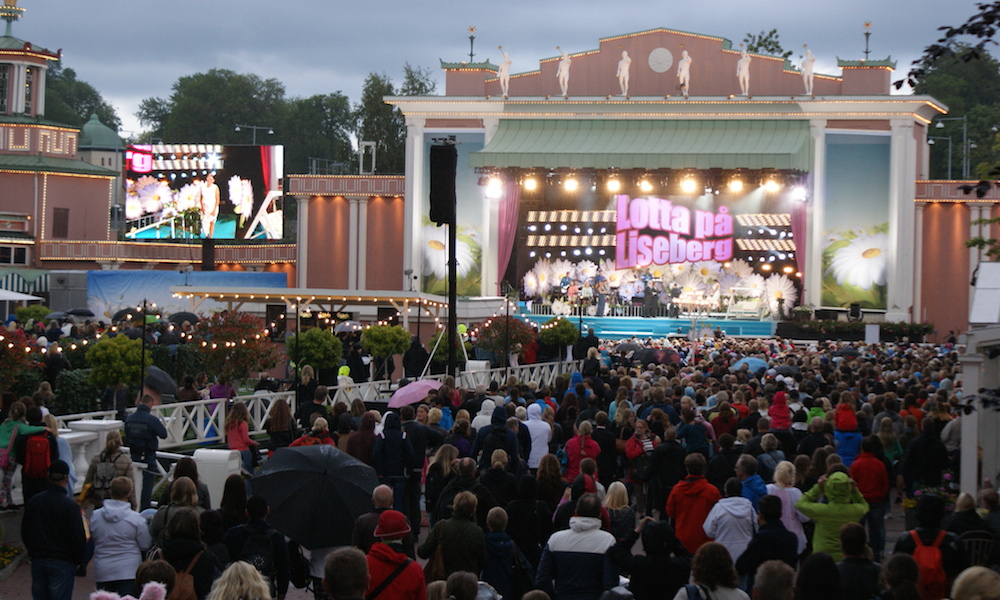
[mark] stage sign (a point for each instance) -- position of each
(655, 231)
(198, 191)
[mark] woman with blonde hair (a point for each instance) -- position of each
(501, 483)
(784, 488)
(441, 470)
(240, 581)
(105, 466)
(183, 494)
(238, 434)
(976, 583)
(65, 452)
(622, 515)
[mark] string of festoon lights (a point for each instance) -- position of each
(507, 307)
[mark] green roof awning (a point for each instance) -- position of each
(51, 164)
(644, 144)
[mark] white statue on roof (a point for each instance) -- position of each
(743, 71)
(623, 72)
(684, 72)
(504, 72)
(562, 73)
(807, 71)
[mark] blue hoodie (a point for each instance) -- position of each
(753, 488)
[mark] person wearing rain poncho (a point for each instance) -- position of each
(844, 504)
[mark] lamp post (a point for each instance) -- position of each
(965, 140)
(241, 126)
(930, 140)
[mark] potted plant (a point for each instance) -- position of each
(558, 332)
(504, 335)
(316, 347)
(383, 342)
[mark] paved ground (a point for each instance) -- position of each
(18, 587)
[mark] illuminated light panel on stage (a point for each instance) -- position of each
(571, 216)
(550, 241)
(764, 219)
(753, 245)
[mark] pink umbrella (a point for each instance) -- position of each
(413, 392)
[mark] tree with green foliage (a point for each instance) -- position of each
(206, 107)
(417, 81)
(766, 42)
(71, 101)
(316, 347)
(116, 359)
(382, 123)
(35, 312)
(319, 126)
(16, 358)
(440, 356)
(982, 26)
(559, 332)
(383, 342)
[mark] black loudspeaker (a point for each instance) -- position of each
(854, 313)
(208, 254)
(444, 160)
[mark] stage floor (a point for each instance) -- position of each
(617, 328)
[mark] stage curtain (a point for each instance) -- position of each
(510, 207)
(799, 215)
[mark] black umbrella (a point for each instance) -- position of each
(786, 370)
(315, 493)
(645, 356)
(80, 312)
(180, 317)
(848, 351)
(159, 380)
(626, 347)
(55, 315)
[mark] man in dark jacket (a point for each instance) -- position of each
(665, 468)
(421, 438)
(34, 485)
(363, 536)
(607, 459)
(662, 570)
(466, 481)
(772, 541)
(503, 438)
(144, 432)
(53, 533)
(244, 543)
(415, 359)
(359, 370)
(814, 439)
(575, 563)
(392, 457)
(317, 407)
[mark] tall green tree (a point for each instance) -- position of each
(382, 123)
(417, 81)
(71, 101)
(206, 107)
(320, 127)
(766, 42)
(981, 27)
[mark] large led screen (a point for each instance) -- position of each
(200, 191)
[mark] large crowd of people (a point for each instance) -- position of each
(770, 482)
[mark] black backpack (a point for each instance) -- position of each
(258, 550)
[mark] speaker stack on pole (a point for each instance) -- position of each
(443, 201)
(208, 254)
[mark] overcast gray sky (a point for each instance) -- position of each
(136, 49)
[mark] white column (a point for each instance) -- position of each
(902, 191)
(40, 89)
(363, 243)
(918, 264)
(492, 124)
(302, 258)
(814, 222)
(352, 245)
(416, 198)
(972, 365)
(974, 229)
(16, 102)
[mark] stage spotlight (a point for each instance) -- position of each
(781, 256)
(788, 270)
(601, 251)
(588, 251)
(614, 186)
(548, 255)
(689, 185)
(531, 254)
(577, 230)
(590, 231)
(548, 227)
(736, 185)
(770, 259)
(570, 185)
(563, 253)
(563, 227)
(531, 184)
(799, 193)
(772, 186)
(532, 227)
(645, 186)
(765, 267)
(494, 188)
(576, 252)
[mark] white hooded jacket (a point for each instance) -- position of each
(732, 522)
(121, 537)
(484, 417)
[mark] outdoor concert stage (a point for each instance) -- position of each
(617, 328)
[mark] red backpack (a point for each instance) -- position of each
(37, 456)
(933, 580)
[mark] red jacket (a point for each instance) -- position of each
(688, 505)
(780, 414)
(633, 449)
(577, 451)
(871, 476)
(408, 585)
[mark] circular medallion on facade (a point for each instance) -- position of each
(660, 60)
